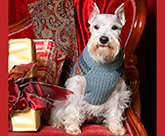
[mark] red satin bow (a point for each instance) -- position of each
(25, 93)
(33, 94)
(17, 100)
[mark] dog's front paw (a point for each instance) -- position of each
(117, 129)
(58, 125)
(73, 130)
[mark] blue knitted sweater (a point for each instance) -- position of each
(101, 79)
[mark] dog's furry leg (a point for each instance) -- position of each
(57, 115)
(118, 102)
(74, 113)
(67, 114)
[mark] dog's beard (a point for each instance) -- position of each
(103, 53)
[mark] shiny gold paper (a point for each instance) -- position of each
(26, 121)
(21, 51)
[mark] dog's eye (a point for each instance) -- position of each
(114, 27)
(96, 27)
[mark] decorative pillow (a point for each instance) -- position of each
(54, 19)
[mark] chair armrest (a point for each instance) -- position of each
(135, 124)
(133, 112)
(132, 79)
(25, 21)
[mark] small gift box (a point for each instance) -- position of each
(26, 120)
(22, 51)
(50, 60)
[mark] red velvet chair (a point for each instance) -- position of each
(135, 11)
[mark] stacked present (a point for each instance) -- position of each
(50, 60)
(22, 51)
(29, 61)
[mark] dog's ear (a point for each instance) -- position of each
(93, 14)
(119, 12)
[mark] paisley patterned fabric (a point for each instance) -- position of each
(54, 19)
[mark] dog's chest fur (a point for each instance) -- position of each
(101, 79)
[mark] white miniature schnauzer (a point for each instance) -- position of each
(100, 92)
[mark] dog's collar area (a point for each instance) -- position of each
(106, 67)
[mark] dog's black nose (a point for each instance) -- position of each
(104, 39)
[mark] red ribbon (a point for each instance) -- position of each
(28, 93)
(33, 94)
(17, 100)
(25, 93)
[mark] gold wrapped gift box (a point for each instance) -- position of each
(22, 51)
(26, 120)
